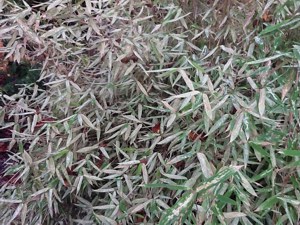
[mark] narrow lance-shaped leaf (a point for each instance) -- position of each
(88, 149)
(267, 204)
(181, 157)
(86, 121)
(204, 164)
(220, 103)
(171, 119)
(252, 83)
(237, 127)
(246, 154)
(183, 205)
(262, 101)
(168, 186)
(141, 87)
(139, 207)
(187, 94)
(88, 6)
(186, 79)
(290, 152)
(266, 59)
(16, 213)
(54, 4)
(169, 139)
(207, 107)
(246, 184)
(287, 210)
(232, 215)
(24, 214)
(246, 123)
(287, 86)
(218, 124)
(196, 66)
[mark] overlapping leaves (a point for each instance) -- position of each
(144, 111)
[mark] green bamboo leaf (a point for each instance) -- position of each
(258, 148)
(262, 101)
(16, 213)
(225, 199)
(246, 184)
(168, 186)
(288, 199)
(220, 103)
(237, 127)
(267, 204)
(232, 215)
(289, 152)
(196, 66)
(88, 149)
(169, 139)
(278, 26)
(87, 121)
(186, 79)
(246, 154)
(180, 209)
(218, 124)
(262, 174)
(182, 206)
(204, 165)
(287, 210)
(181, 157)
(266, 59)
(207, 107)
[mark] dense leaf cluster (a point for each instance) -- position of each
(152, 112)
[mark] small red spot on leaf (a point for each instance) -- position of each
(66, 183)
(5, 133)
(48, 119)
(127, 59)
(12, 179)
(144, 161)
(180, 165)
(139, 220)
(3, 147)
(71, 171)
(100, 161)
(140, 217)
(156, 128)
(103, 144)
(266, 17)
(193, 136)
(43, 121)
(39, 124)
(255, 23)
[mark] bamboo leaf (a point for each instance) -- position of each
(207, 107)
(237, 127)
(169, 138)
(262, 101)
(218, 124)
(183, 205)
(186, 79)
